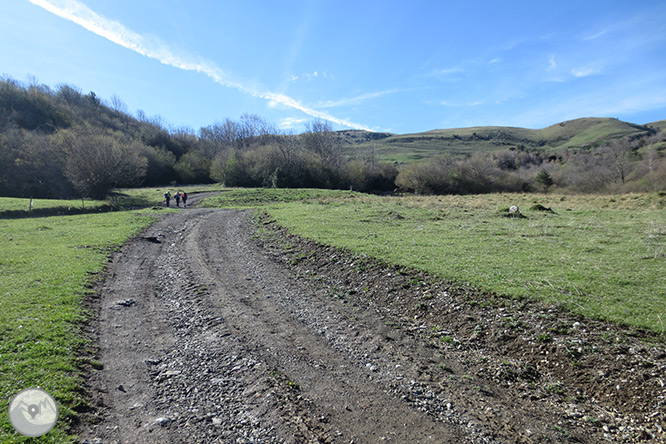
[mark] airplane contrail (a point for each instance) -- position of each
(115, 32)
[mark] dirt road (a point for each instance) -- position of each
(206, 336)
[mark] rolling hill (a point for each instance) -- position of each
(579, 133)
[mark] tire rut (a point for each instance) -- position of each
(268, 311)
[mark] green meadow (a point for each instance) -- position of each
(600, 256)
(259, 197)
(47, 267)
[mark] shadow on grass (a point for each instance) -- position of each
(54, 211)
(124, 201)
(116, 202)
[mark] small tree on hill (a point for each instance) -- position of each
(545, 179)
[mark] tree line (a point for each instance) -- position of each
(63, 143)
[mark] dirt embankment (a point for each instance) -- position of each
(210, 333)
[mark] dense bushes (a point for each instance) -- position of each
(474, 175)
(96, 163)
(64, 143)
(312, 160)
(621, 166)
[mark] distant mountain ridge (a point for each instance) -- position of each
(581, 133)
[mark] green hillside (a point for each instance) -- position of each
(406, 148)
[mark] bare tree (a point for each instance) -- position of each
(481, 167)
(651, 170)
(430, 177)
(253, 129)
(219, 137)
(620, 158)
(118, 104)
(250, 130)
(506, 160)
(318, 138)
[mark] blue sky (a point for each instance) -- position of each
(385, 65)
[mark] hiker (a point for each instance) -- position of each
(167, 197)
(183, 195)
(178, 199)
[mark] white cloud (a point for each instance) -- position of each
(584, 72)
(115, 32)
(291, 122)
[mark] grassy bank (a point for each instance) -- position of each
(600, 256)
(46, 269)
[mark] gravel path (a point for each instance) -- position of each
(205, 336)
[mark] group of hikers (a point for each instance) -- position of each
(180, 195)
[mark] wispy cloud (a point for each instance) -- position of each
(309, 76)
(115, 32)
(451, 104)
(444, 73)
(464, 68)
(356, 100)
(596, 35)
(551, 63)
(584, 72)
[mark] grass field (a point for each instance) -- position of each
(46, 267)
(255, 197)
(601, 256)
